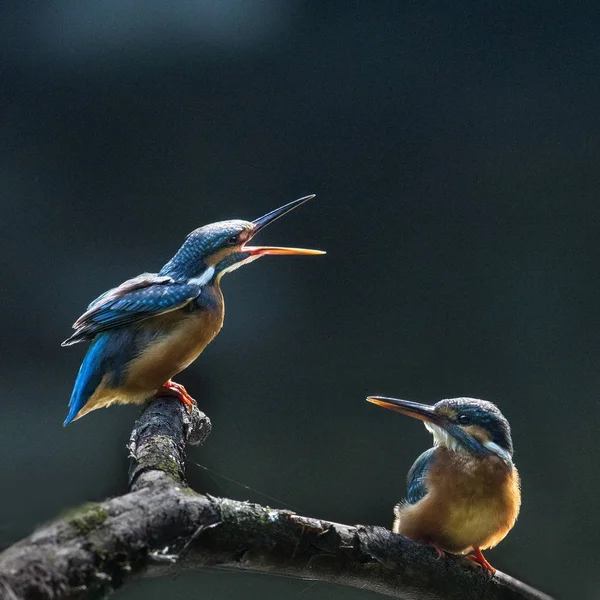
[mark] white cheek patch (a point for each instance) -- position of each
(498, 451)
(204, 278)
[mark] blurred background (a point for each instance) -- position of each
(454, 148)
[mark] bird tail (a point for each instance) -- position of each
(74, 339)
(88, 378)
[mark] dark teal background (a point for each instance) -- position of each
(454, 148)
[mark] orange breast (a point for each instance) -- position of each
(471, 503)
(181, 338)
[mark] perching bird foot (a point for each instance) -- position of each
(478, 558)
(170, 388)
(440, 552)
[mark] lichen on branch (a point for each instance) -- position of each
(161, 524)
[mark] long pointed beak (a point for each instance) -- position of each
(424, 412)
(267, 219)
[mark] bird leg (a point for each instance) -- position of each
(480, 559)
(170, 388)
(440, 552)
(429, 542)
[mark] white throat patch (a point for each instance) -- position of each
(442, 438)
(237, 265)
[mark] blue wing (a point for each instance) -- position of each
(416, 479)
(134, 300)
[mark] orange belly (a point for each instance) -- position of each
(178, 338)
(471, 503)
(173, 351)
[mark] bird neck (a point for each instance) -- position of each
(188, 271)
(231, 262)
(467, 444)
(194, 265)
(196, 273)
(189, 263)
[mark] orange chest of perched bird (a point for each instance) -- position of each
(464, 493)
(471, 503)
(179, 337)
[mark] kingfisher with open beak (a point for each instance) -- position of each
(464, 493)
(153, 326)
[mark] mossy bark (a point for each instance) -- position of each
(163, 524)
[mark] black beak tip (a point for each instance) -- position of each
(273, 215)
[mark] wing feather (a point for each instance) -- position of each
(136, 299)
(417, 477)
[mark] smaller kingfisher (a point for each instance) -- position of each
(153, 326)
(464, 493)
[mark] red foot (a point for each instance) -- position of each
(178, 391)
(480, 559)
(440, 552)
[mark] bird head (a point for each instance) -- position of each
(460, 424)
(218, 248)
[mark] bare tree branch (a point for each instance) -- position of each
(162, 524)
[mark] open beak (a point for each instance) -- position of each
(424, 412)
(267, 219)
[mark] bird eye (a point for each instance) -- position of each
(233, 240)
(464, 419)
